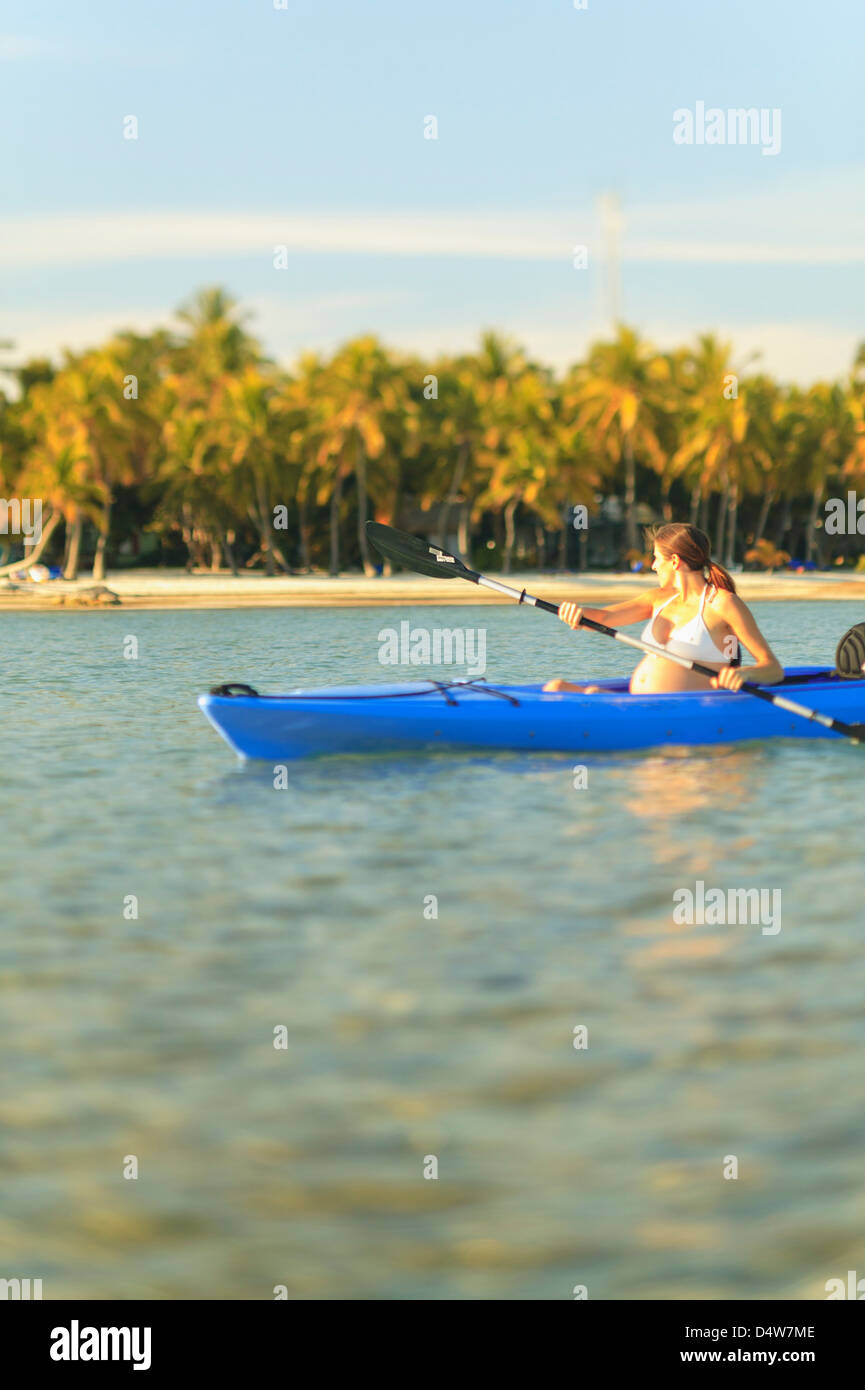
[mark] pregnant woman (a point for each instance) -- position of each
(695, 612)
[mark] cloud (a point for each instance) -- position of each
(741, 253)
(81, 239)
(13, 48)
(18, 48)
(826, 222)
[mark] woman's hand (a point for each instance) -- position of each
(729, 678)
(570, 613)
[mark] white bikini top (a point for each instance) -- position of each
(692, 640)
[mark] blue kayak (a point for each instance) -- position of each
(474, 714)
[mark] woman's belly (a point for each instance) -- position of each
(655, 676)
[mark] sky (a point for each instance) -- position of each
(305, 124)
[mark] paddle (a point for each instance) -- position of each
(419, 555)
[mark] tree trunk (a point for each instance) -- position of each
(464, 535)
(810, 538)
(499, 538)
(562, 563)
(197, 546)
(453, 494)
(264, 524)
(102, 542)
(732, 518)
(229, 550)
(666, 507)
(510, 533)
(216, 560)
(582, 550)
(48, 529)
(540, 546)
(721, 517)
(362, 508)
(768, 499)
(303, 529)
(630, 496)
(395, 509)
(72, 558)
(784, 521)
(335, 499)
(696, 499)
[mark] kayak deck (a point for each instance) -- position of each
(473, 714)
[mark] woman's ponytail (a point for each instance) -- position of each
(719, 577)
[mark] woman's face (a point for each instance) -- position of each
(665, 567)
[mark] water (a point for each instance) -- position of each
(407, 1036)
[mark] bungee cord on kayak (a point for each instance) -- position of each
(233, 689)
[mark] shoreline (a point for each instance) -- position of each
(177, 589)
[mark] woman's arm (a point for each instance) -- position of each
(630, 610)
(768, 670)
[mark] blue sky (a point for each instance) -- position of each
(304, 126)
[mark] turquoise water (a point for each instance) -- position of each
(408, 1036)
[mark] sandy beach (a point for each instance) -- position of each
(166, 588)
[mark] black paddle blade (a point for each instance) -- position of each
(415, 554)
(850, 656)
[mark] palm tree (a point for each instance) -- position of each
(721, 451)
(616, 397)
(452, 432)
(218, 433)
(249, 434)
(90, 436)
(217, 342)
(359, 423)
(827, 441)
(854, 464)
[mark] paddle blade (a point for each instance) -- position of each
(415, 554)
(850, 656)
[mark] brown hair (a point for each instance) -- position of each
(692, 547)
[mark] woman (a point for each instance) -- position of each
(695, 613)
